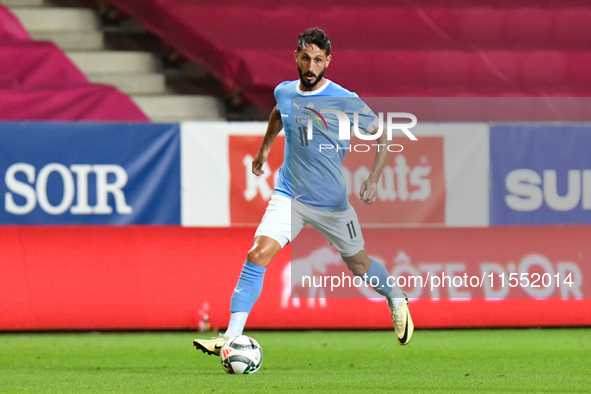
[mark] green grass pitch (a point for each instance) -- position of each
(522, 360)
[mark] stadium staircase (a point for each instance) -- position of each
(107, 55)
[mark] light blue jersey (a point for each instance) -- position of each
(311, 170)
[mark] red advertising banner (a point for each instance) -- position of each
(412, 185)
(495, 264)
(411, 189)
(159, 277)
(250, 194)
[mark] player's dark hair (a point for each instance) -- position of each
(315, 36)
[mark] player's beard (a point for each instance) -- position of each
(310, 85)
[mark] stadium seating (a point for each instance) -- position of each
(10, 27)
(38, 82)
(115, 50)
(419, 48)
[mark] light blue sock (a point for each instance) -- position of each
(247, 291)
(379, 271)
(248, 288)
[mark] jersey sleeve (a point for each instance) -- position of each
(367, 119)
(276, 93)
(279, 94)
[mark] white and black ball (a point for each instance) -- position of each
(241, 355)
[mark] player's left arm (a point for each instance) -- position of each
(369, 189)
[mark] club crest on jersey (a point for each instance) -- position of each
(316, 118)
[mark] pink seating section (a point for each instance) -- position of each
(10, 27)
(38, 82)
(386, 48)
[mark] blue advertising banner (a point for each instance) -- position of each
(89, 173)
(540, 174)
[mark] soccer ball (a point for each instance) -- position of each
(241, 355)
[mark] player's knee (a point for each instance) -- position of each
(259, 256)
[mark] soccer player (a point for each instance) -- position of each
(311, 189)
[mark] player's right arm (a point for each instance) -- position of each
(273, 128)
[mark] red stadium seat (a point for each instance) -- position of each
(419, 48)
